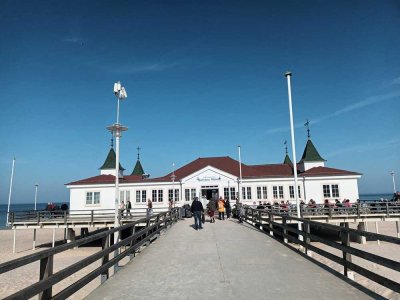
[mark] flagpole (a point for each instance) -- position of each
(9, 194)
(288, 75)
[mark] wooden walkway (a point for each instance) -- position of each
(225, 260)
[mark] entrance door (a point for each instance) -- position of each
(209, 192)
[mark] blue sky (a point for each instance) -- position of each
(202, 77)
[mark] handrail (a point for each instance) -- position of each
(279, 223)
(136, 238)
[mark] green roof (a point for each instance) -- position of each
(110, 161)
(287, 160)
(310, 153)
(138, 169)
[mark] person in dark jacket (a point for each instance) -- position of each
(197, 210)
(228, 209)
(212, 206)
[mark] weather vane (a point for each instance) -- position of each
(138, 152)
(285, 143)
(307, 124)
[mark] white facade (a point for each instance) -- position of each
(210, 181)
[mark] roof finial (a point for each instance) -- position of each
(307, 124)
(285, 143)
(112, 140)
(138, 152)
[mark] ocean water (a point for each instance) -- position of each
(18, 207)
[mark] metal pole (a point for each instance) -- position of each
(394, 182)
(173, 183)
(288, 75)
(116, 219)
(240, 176)
(9, 194)
(36, 189)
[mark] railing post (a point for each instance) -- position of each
(387, 209)
(65, 217)
(306, 230)
(345, 236)
(285, 240)
(358, 209)
(252, 217)
(38, 217)
(260, 219)
(104, 245)
(330, 211)
(271, 218)
(91, 216)
(46, 270)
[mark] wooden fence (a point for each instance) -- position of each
(136, 237)
(268, 221)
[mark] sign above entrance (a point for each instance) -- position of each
(208, 178)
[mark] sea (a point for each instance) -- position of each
(42, 206)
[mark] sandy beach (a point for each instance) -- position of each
(16, 280)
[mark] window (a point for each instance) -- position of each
(259, 192)
(137, 196)
(160, 195)
(187, 194)
(92, 198)
(193, 193)
(226, 193)
(248, 192)
(335, 190)
(331, 190)
(154, 195)
(244, 193)
(124, 196)
(281, 192)
(171, 197)
(291, 191)
(327, 191)
(233, 193)
(265, 194)
(144, 196)
(275, 192)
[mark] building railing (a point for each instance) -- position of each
(131, 237)
(266, 220)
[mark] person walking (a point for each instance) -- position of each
(228, 209)
(197, 210)
(212, 207)
(221, 208)
(121, 209)
(128, 208)
(149, 208)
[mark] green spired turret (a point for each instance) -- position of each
(110, 161)
(310, 153)
(138, 169)
(287, 160)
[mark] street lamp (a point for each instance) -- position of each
(240, 178)
(173, 183)
(394, 182)
(288, 75)
(36, 188)
(116, 129)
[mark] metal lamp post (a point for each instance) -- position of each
(394, 182)
(117, 129)
(173, 183)
(240, 177)
(9, 194)
(36, 189)
(288, 75)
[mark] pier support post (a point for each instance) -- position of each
(46, 270)
(360, 238)
(70, 235)
(105, 244)
(285, 240)
(377, 232)
(271, 218)
(54, 237)
(15, 236)
(34, 240)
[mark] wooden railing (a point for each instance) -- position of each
(386, 209)
(66, 216)
(267, 221)
(133, 238)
